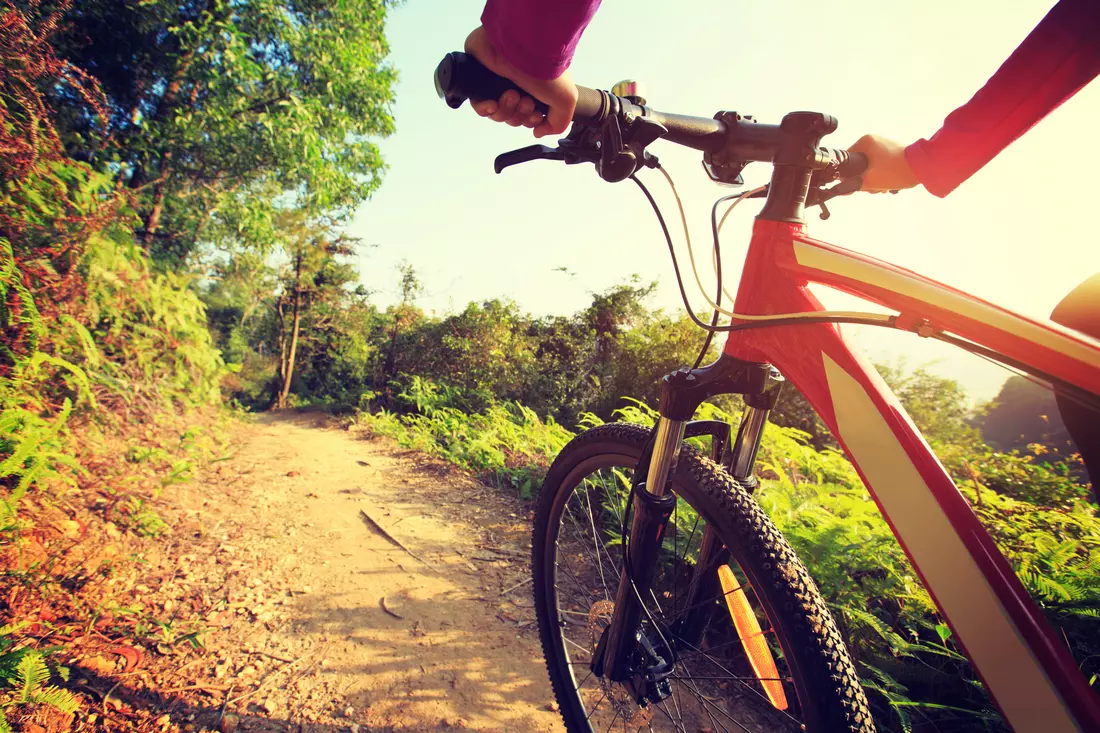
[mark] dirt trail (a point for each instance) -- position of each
(454, 644)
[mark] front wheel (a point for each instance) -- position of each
(785, 669)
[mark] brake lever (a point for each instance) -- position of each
(526, 155)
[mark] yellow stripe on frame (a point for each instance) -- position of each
(1056, 338)
(1022, 689)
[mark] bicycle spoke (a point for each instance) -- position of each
(733, 677)
(699, 696)
(598, 562)
(602, 698)
(570, 641)
(576, 582)
(722, 712)
(723, 645)
(596, 540)
(680, 558)
(739, 679)
(676, 703)
(677, 725)
(712, 599)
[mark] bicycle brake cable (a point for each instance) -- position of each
(751, 321)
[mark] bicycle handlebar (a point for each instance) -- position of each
(460, 76)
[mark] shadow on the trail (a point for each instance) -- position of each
(425, 673)
(443, 660)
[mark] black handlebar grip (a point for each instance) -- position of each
(851, 164)
(460, 76)
(592, 106)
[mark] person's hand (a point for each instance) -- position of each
(887, 168)
(559, 94)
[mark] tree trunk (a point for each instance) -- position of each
(391, 357)
(152, 222)
(167, 103)
(289, 373)
(276, 389)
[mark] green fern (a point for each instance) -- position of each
(27, 671)
(57, 698)
(31, 673)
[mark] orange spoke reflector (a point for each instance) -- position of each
(752, 638)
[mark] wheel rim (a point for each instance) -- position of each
(713, 685)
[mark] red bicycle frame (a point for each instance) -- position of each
(1022, 661)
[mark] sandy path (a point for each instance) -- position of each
(460, 648)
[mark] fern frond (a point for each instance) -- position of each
(31, 673)
(57, 698)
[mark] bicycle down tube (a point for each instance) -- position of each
(1024, 664)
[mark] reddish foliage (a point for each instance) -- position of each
(46, 244)
(30, 64)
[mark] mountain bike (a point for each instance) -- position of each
(666, 598)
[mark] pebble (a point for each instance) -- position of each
(349, 711)
(269, 705)
(228, 723)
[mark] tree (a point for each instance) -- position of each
(403, 314)
(312, 277)
(219, 107)
(1024, 413)
(939, 406)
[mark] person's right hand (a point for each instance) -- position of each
(887, 168)
(559, 94)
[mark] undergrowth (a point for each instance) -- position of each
(96, 349)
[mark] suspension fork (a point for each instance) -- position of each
(739, 463)
(683, 391)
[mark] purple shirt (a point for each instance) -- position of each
(538, 37)
(1059, 57)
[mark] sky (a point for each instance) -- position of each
(1018, 233)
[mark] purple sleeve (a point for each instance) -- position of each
(538, 37)
(1059, 57)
